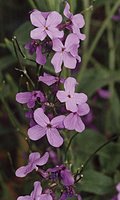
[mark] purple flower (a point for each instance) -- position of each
(105, 94)
(34, 160)
(71, 99)
(117, 197)
(69, 193)
(67, 53)
(46, 127)
(49, 79)
(34, 46)
(36, 194)
(29, 98)
(77, 22)
(73, 120)
(45, 26)
(29, 115)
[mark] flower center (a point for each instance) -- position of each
(69, 96)
(49, 126)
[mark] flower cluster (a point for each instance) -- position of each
(59, 107)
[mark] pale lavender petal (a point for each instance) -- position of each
(27, 197)
(34, 156)
(38, 34)
(71, 40)
(118, 187)
(54, 19)
(37, 18)
(23, 97)
(71, 105)
(48, 79)
(57, 45)
(78, 20)
(36, 132)
(41, 118)
(74, 50)
(22, 171)
(70, 121)
(53, 32)
(80, 98)
(57, 121)
(57, 61)
(45, 14)
(80, 35)
(67, 12)
(40, 58)
(62, 96)
(118, 196)
(79, 125)
(45, 197)
(69, 61)
(69, 85)
(83, 109)
(54, 137)
(37, 190)
(43, 160)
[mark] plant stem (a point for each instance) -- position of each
(93, 154)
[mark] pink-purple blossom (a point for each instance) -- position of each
(46, 127)
(46, 25)
(117, 197)
(30, 98)
(71, 99)
(36, 194)
(66, 53)
(35, 160)
(76, 22)
(73, 121)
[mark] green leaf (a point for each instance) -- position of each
(96, 183)
(6, 62)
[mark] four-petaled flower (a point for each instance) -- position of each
(36, 194)
(35, 160)
(30, 98)
(45, 26)
(71, 99)
(46, 127)
(67, 53)
(76, 22)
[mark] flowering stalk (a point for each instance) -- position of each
(53, 110)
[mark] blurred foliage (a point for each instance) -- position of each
(99, 69)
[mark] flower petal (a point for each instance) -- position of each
(57, 45)
(27, 197)
(70, 121)
(83, 109)
(43, 160)
(41, 118)
(78, 20)
(80, 35)
(54, 137)
(54, 33)
(67, 12)
(53, 19)
(37, 18)
(69, 61)
(48, 79)
(37, 190)
(80, 98)
(38, 34)
(57, 121)
(23, 97)
(36, 132)
(72, 39)
(57, 61)
(22, 171)
(79, 125)
(71, 105)
(40, 58)
(46, 197)
(69, 85)
(34, 156)
(62, 96)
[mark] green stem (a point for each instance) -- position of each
(96, 40)
(93, 154)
